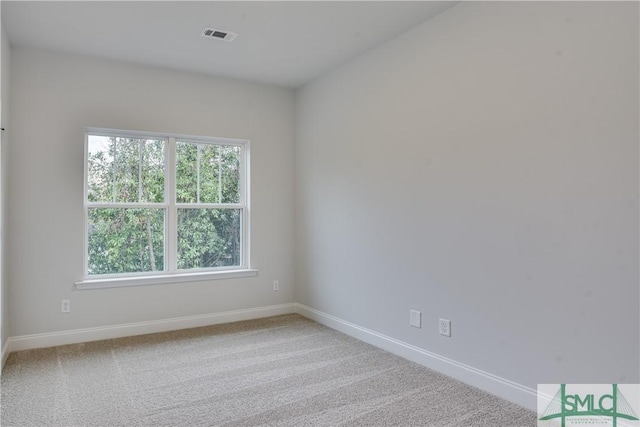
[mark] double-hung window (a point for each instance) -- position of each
(164, 205)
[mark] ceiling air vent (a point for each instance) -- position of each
(212, 33)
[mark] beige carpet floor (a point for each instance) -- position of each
(279, 371)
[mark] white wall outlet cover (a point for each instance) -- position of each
(445, 327)
(415, 318)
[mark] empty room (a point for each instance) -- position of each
(320, 213)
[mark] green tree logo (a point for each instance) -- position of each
(614, 406)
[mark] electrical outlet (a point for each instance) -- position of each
(276, 286)
(415, 318)
(66, 306)
(445, 327)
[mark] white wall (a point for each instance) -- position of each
(5, 63)
(54, 97)
(483, 168)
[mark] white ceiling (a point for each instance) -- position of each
(279, 42)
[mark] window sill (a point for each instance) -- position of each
(117, 282)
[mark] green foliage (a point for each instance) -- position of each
(207, 173)
(132, 239)
(126, 170)
(208, 238)
(125, 240)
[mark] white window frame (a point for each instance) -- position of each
(171, 274)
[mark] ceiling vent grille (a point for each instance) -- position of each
(212, 33)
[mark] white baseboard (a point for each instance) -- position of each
(5, 353)
(28, 342)
(508, 390)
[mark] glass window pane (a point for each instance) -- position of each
(152, 171)
(125, 240)
(186, 173)
(219, 174)
(230, 171)
(100, 169)
(125, 169)
(209, 176)
(208, 238)
(207, 173)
